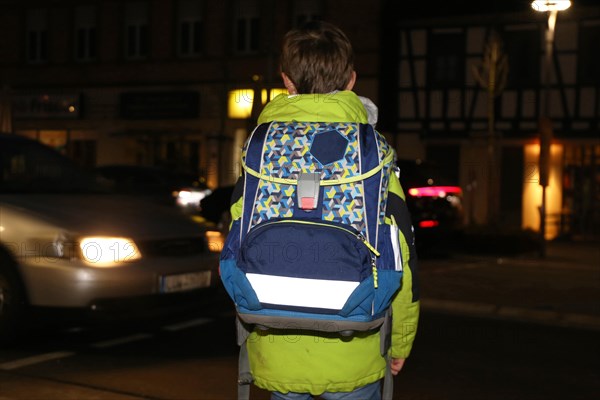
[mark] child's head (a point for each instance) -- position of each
(317, 58)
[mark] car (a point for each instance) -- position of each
(434, 202)
(158, 184)
(69, 243)
(215, 207)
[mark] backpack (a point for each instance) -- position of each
(313, 249)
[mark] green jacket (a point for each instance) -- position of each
(310, 362)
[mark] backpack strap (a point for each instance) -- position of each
(244, 374)
(388, 381)
(385, 332)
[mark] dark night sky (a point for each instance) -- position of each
(432, 8)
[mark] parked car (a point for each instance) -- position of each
(68, 243)
(215, 207)
(157, 184)
(434, 202)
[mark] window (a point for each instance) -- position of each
(524, 58)
(247, 24)
(190, 35)
(85, 33)
(37, 36)
(136, 30)
(306, 11)
(589, 54)
(446, 60)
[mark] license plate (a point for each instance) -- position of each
(183, 282)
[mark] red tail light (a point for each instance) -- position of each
(434, 191)
(428, 223)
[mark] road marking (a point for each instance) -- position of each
(24, 362)
(122, 340)
(186, 324)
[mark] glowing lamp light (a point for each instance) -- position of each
(550, 5)
(187, 197)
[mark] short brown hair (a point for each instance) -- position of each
(318, 58)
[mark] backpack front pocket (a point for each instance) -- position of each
(305, 265)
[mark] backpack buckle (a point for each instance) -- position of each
(308, 190)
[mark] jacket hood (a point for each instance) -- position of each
(342, 106)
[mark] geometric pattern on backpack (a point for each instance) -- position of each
(273, 200)
(383, 149)
(345, 203)
(287, 153)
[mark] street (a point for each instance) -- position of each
(193, 356)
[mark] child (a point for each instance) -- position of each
(318, 72)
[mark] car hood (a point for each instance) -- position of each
(103, 215)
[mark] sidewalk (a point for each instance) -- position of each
(561, 289)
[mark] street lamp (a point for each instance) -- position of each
(552, 7)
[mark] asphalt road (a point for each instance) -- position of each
(193, 356)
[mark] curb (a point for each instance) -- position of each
(519, 314)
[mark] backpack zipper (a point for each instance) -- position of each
(359, 236)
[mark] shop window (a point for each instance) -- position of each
(37, 36)
(85, 33)
(446, 60)
(136, 30)
(190, 28)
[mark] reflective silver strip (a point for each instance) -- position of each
(301, 292)
(395, 238)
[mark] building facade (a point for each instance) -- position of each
(148, 82)
(470, 93)
(179, 83)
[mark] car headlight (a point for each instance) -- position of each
(103, 251)
(190, 197)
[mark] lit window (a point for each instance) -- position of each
(37, 36)
(274, 92)
(190, 35)
(136, 30)
(240, 102)
(85, 33)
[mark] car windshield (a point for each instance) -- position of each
(30, 167)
